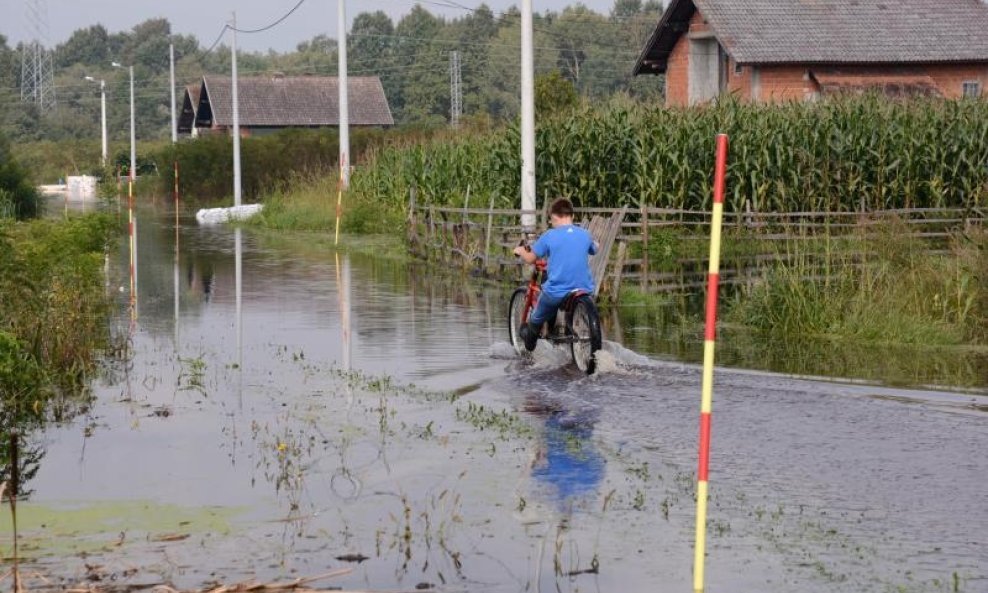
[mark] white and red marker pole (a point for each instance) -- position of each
(710, 333)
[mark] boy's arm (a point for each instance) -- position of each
(527, 255)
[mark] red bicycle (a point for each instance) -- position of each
(577, 322)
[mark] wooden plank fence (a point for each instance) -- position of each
(482, 239)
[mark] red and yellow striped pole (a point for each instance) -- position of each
(706, 401)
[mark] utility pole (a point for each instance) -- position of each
(236, 114)
(37, 64)
(171, 63)
(455, 96)
(133, 125)
(344, 99)
(102, 105)
(527, 119)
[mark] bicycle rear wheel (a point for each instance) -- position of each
(516, 310)
(584, 329)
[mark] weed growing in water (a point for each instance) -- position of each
(193, 374)
(504, 422)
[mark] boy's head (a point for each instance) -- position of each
(561, 208)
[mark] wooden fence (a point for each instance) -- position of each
(481, 240)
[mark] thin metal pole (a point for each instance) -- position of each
(706, 402)
(344, 98)
(171, 63)
(236, 115)
(527, 118)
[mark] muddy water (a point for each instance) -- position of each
(351, 412)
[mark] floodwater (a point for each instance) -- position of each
(321, 412)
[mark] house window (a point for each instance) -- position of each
(971, 88)
(738, 69)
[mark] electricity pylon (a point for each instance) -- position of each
(37, 63)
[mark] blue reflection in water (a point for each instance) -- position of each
(567, 461)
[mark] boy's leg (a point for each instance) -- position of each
(545, 309)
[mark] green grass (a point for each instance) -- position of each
(898, 292)
(310, 205)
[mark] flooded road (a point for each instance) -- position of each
(351, 412)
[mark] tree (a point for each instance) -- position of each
(554, 94)
(90, 47)
(626, 8)
(473, 34)
(17, 196)
(423, 64)
(371, 50)
(577, 32)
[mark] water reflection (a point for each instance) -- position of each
(674, 331)
(566, 461)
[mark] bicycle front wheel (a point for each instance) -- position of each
(584, 330)
(516, 312)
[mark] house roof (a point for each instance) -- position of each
(828, 31)
(190, 103)
(288, 101)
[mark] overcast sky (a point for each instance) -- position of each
(205, 18)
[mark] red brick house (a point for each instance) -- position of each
(271, 103)
(779, 50)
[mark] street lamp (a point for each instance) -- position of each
(102, 93)
(133, 153)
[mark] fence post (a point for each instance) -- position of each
(487, 239)
(643, 282)
(432, 229)
(618, 271)
(412, 230)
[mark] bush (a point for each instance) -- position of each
(18, 197)
(269, 163)
(310, 205)
(52, 299)
(891, 290)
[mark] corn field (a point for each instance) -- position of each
(859, 153)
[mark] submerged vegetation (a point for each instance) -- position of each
(53, 307)
(53, 322)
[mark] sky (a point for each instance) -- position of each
(205, 18)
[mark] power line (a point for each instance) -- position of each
(274, 24)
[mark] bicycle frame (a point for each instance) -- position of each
(534, 288)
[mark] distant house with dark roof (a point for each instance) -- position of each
(187, 116)
(778, 50)
(271, 103)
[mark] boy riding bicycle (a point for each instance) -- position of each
(567, 248)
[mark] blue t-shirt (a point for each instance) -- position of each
(568, 249)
